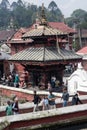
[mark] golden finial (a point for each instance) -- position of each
(43, 17)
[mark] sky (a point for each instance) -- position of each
(66, 6)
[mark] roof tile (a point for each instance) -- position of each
(42, 54)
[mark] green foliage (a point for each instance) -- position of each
(24, 15)
(76, 46)
(4, 17)
(70, 21)
(54, 13)
(5, 4)
(78, 14)
(21, 16)
(78, 17)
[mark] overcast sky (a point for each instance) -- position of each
(66, 6)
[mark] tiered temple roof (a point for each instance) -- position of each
(42, 30)
(42, 54)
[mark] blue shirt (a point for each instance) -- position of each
(51, 99)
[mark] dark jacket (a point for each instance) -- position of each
(65, 96)
(15, 107)
(36, 99)
(76, 100)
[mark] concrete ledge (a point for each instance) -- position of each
(44, 114)
(43, 118)
(28, 107)
(4, 124)
(64, 124)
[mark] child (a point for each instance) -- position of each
(45, 103)
(9, 109)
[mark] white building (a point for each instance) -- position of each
(78, 80)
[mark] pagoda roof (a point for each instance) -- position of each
(42, 54)
(6, 34)
(42, 30)
(17, 37)
(82, 51)
(18, 34)
(62, 26)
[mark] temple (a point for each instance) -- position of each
(44, 51)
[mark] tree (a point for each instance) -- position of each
(52, 6)
(54, 13)
(79, 18)
(20, 3)
(25, 15)
(79, 14)
(5, 4)
(4, 18)
(13, 6)
(19, 19)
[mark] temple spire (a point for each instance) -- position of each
(37, 19)
(43, 16)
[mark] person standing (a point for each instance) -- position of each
(65, 97)
(15, 106)
(45, 103)
(16, 81)
(36, 101)
(9, 109)
(49, 87)
(76, 100)
(51, 98)
(53, 79)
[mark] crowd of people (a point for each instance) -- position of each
(48, 102)
(14, 80)
(55, 84)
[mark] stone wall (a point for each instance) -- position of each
(47, 119)
(43, 119)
